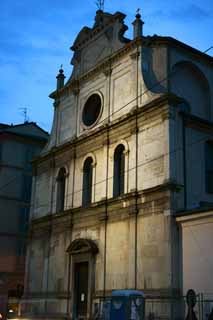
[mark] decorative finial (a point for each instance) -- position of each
(100, 4)
(61, 69)
(138, 25)
(138, 16)
(60, 78)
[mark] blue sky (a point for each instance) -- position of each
(36, 36)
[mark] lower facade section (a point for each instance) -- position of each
(76, 261)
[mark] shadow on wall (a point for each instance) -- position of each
(186, 81)
(189, 82)
(154, 72)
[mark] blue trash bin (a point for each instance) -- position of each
(127, 305)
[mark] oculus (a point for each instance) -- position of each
(92, 110)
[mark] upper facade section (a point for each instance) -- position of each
(105, 82)
(113, 76)
(92, 45)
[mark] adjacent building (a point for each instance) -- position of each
(19, 144)
(130, 150)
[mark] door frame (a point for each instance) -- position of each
(82, 250)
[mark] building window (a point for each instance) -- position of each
(61, 180)
(119, 170)
(209, 166)
(87, 182)
(92, 110)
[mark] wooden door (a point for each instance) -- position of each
(81, 289)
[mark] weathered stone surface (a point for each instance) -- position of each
(135, 233)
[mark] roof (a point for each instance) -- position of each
(155, 39)
(2, 126)
(27, 129)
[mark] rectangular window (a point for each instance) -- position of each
(209, 166)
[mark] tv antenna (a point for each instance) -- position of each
(208, 49)
(24, 113)
(100, 4)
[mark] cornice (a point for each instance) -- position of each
(156, 103)
(174, 43)
(198, 123)
(194, 214)
(98, 208)
(166, 186)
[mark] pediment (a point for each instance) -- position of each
(93, 45)
(82, 36)
(78, 246)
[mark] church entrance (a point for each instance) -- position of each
(82, 274)
(81, 289)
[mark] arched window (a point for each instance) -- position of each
(87, 182)
(61, 180)
(119, 169)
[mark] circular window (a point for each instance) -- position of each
(91, 110)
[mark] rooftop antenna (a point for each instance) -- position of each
(208, 49)
(100, 4)
(24, 113)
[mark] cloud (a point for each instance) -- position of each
(190, 12)
(181, 14)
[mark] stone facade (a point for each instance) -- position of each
(155, 102)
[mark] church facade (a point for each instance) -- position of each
(118, 166)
